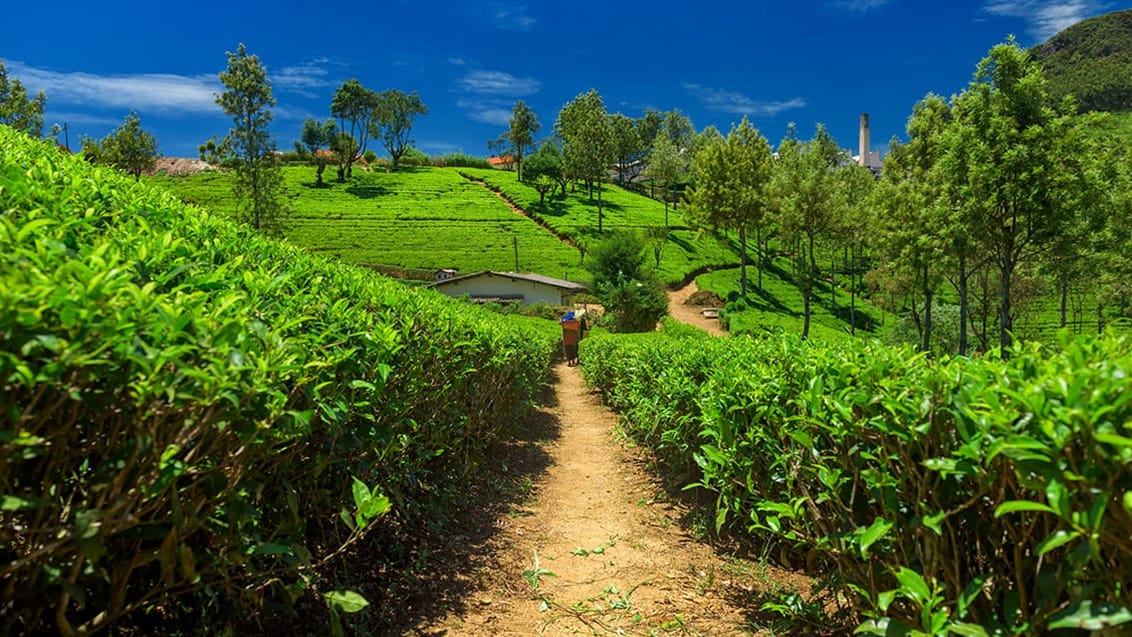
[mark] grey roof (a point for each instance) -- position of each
(535, 278)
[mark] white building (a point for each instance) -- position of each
(510, 287)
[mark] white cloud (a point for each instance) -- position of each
(148, 91)
(862, 5)
(738, 104)
(512, 16)
(486, 111)
(498, 83)
(301, 79)
(456, 61)
(440, 148)
(1045, 18)
(72, 118)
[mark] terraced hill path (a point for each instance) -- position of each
(598, 548)
(691, 314)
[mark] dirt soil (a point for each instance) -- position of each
(178, 166)
(678, 308)
(613, 556)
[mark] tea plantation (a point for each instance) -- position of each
(195, 420)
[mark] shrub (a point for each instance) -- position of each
(964, 495)
(460, 160)
(194, 419)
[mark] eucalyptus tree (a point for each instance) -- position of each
(258, 185)
(626, 144)
(315, 136)
(733, 177)
(806, 199)
(587, 144)
(1009, 165)
(355, 107)
(914, 218)
(855, 229)
(393, 119)
(521, 131)
(17, 109)
(667, 166)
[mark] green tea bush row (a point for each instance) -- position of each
(965, 496)
(193, 419)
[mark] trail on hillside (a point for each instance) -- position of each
(612, 556)
(690, 314)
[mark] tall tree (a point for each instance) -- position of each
(626, 143)
(17, 110)
(667, 165)
(316, 136)
(355, 107)
(127, 148)
(1014, 164)
(393, 122)
(258, 186)
(584, 128)
(806, 197)
(733, 186)
(914, 216)
(521, 133)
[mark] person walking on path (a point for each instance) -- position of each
(573, 327)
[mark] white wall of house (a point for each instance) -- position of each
(531, 291)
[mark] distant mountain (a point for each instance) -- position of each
(1092, 60)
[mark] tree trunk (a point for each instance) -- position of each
(759, 254)
(743, 260)
(599, 215)
(852, 304)
(1064, 300)
(1005, 325)
(963, 309)
(832, 282)
(666, 210)
(926, 346)
(809, 287)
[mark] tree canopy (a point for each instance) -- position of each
(127, 148)
(17, 109)
(393, 119)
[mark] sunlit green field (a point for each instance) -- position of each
(414, 218)
(688, 250)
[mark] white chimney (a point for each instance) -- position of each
(863, 158)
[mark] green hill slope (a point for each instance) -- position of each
(1092, 60)
(427, 218)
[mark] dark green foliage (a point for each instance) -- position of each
(187, 409)
(460, 160)
(944, 494)
(1092, 60)
(17, 109)
(247, 99)
(127, 148)
(632, 295)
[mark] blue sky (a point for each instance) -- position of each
(807, 61)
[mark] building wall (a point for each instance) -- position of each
(531, 291)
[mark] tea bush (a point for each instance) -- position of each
(971, 496)
(193, 418)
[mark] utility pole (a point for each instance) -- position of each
(515, 242)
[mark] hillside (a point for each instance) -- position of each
(1092, 60)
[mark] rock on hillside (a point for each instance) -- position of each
(1092, 60)
(178, 166)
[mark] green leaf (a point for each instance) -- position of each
(913, 585)
(361, 493)
(967, 630)
(1014, 506)
(935, 521)
(12, 503)
(1058, 538)
(1088, 616)
(970, 591)
(346, 601)
(876, 530)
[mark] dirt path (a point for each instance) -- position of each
(621, 563)
(691, 314)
